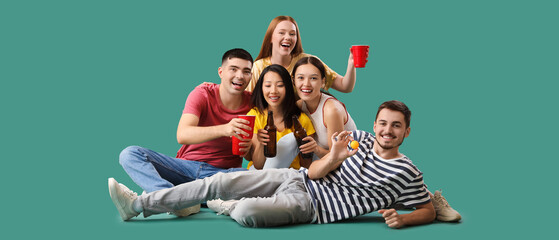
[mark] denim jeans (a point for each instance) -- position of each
(269, 197)
(153, 171)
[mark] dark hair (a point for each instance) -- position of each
(396, 105)
(289, 104)
(237, 53)
(266, 49)
(315, 62)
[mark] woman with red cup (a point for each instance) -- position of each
(282, 45)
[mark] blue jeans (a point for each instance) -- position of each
(153, 171)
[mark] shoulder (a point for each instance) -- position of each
(333, 108)
(261, 63)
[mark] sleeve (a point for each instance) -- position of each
(258, 121)
(257, 68)
(306, 123)
(196, 102)
(331, 75)
(415, 194)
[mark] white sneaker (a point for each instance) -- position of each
(123, 198)
(221, 207)
(445, 213)
(187, 211)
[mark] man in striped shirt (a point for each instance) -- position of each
(343, 184)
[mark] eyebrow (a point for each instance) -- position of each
(289, 30)
(235, 66)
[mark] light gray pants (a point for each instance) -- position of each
(271, 197)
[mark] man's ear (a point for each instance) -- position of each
(407, 132)
(219, 72)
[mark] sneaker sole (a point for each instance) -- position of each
(113, 185)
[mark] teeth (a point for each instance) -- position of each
(274, 98)
(286, 45)
(306, 91)
(388, 137)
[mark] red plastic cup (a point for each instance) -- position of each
(360, 54)
(236, 141)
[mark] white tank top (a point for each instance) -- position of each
(317, 118)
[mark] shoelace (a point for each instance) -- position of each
(128, 191)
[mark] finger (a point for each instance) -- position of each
(308, 138)
(388, 212)
(352, 152)
(335, 137)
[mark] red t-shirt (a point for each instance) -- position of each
(205, 103)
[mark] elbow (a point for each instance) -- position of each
(347, 90)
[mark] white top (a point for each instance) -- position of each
(317, 118)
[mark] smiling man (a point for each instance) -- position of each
(208, 122)
(343, 184)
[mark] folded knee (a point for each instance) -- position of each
(127, 155)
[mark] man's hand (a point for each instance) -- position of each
(234, 128)
(339, 151)
(392, 218)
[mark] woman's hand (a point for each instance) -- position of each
(263, 137)
(310, 146)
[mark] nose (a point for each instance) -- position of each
(274, 89)
(239, 74)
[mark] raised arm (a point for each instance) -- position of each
(346, 83)
(337, 155)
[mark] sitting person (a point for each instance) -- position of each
(274, 92)
(343, 184)
(208, 122)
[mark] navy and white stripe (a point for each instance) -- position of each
(365, 182)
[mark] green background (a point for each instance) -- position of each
(81, 80)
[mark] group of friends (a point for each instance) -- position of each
(338, 183)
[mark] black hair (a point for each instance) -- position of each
(237, 53)
(289, 104)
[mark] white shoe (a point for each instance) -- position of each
(221, 207)
(123, 198)
(187, 211)
(445, 213)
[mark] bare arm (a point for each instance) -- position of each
(422, 214)
(188, 131)
(346, 83)
(338, 153)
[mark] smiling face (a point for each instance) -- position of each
(390, 129)
(308, 82)
(235, 74)
(273, 89)
(284, 38)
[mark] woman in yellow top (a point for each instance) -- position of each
(274, 92)
(282, 45)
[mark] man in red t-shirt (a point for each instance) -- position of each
(208, 122)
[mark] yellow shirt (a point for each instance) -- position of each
(260, 123)
(259, 66)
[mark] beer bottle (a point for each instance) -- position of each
(270, 148)
(300, 133)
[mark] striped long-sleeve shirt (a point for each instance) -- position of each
(365, 182)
